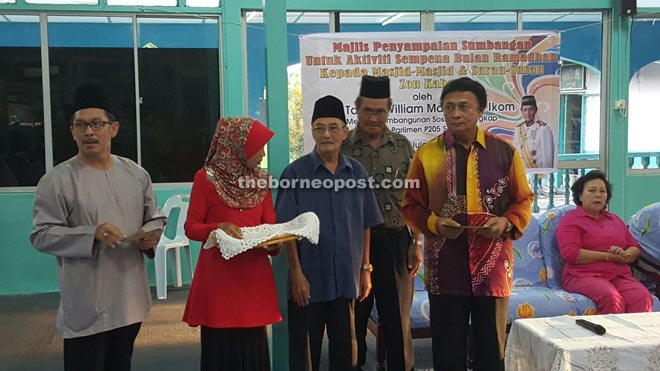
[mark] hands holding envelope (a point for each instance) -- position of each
(147, 240)
(112, 236)
(491, 228)
(494, 227)
(449, 228)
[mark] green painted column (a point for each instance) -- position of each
(278, 154)
(232, 60)
(616, 158)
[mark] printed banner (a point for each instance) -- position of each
(510, 64)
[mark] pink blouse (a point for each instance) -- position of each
(577, 230)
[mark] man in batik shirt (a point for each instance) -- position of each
(468, 178)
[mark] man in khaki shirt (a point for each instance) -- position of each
(395, 254)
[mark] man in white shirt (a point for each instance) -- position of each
(533, 138)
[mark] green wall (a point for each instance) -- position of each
(643, 190)
(24, 270)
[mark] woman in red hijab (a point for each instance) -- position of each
(232, 300)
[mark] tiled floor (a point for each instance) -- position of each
(30, 342)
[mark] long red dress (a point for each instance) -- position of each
(239, 292)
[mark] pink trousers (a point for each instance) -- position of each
(616, 295)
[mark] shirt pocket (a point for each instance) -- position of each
(78, 293)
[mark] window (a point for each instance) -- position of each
(648, 3)
(22, 145)
(63, 2)
(298, 23)
(644, 95)
(379, 22)
(203, 3)
(572, 77)
(579, 125)
(475, 21)
(92, 50)
(177, 106)
(143, 2)
(179, 98)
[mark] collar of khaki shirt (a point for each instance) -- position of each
(356, 135)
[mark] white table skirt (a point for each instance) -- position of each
(631, 343)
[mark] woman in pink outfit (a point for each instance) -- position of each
(597, 249)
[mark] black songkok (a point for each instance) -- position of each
(90, 96)
(528, 100)
(375, 87)
(329, 106)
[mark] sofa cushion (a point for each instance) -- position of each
(528, 268)
(548, 223)
(645, 228)
(644, 225)
(419, 311)
(420, 316)
(541, 301)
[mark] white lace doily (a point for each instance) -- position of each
(304, 225)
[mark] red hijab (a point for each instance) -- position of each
(235, 140)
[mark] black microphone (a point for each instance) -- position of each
(598, 329)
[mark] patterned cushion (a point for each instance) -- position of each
(538, 301)
(528, 268)
(420, 312)
(541, 301)
(419, 279)
(645, 227)
(548, 222)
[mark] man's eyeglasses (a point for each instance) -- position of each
(381, 114)
(465, 108)
(333, 129)
(81, 126)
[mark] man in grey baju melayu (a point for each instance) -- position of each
(84, 209)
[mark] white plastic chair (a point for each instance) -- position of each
(180, 240)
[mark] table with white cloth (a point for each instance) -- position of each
(631, 342)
